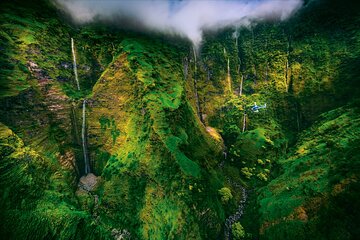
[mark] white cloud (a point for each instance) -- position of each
(186, 17)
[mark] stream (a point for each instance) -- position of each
(237, 215)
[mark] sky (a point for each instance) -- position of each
(185, 17)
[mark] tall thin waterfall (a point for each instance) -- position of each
(228, 67)
(74, 64)
(241, 85)
(194, 52)
(228, 78)
(228, 87)
(186, 67)
(244, 122)
(236, 42)
(236, 35)
(83, 138)
(198, 108)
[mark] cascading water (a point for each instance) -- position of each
(244, 122)
(83, 129)
(74, 64)
(235, 217)
(89, 181)
(228, 87)
(194, 52)
(195, 88)
(83, 138)
(228, 78)
(228, 67)
(236, 35)
(186, 67)
(236, 42)
(241, 85)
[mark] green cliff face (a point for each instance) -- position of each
(160, 172)
(317, 188)
(304, 69)
(154, 160)
(171, 136)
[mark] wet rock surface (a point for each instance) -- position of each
(88, 182)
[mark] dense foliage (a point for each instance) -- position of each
(171, 136)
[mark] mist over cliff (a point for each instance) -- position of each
(186, 17)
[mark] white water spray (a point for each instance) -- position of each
(228, 67)
(228, 77)
(241, 85)
(74, 64)
(236, 35)
(186, 67)
(194, 52)
(83, 137)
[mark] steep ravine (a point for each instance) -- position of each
(238, 214)
(113, 134)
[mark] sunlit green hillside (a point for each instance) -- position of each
(254, 134)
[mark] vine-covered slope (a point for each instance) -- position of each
(171, 136)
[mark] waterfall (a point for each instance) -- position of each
(236, 35)
(228, 78)
(75, 125)
(228, 86)
(244, 123)
(228, 67)
(194, 52)
(197, 101)
(237, 43)
(241, 85)
(83, 129)
(186, 67)
(83, 137)
(235, 217)
(74, 64)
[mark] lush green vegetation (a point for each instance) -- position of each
(169, 164)
(301, 68)
(294, 202)
(155, 160)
